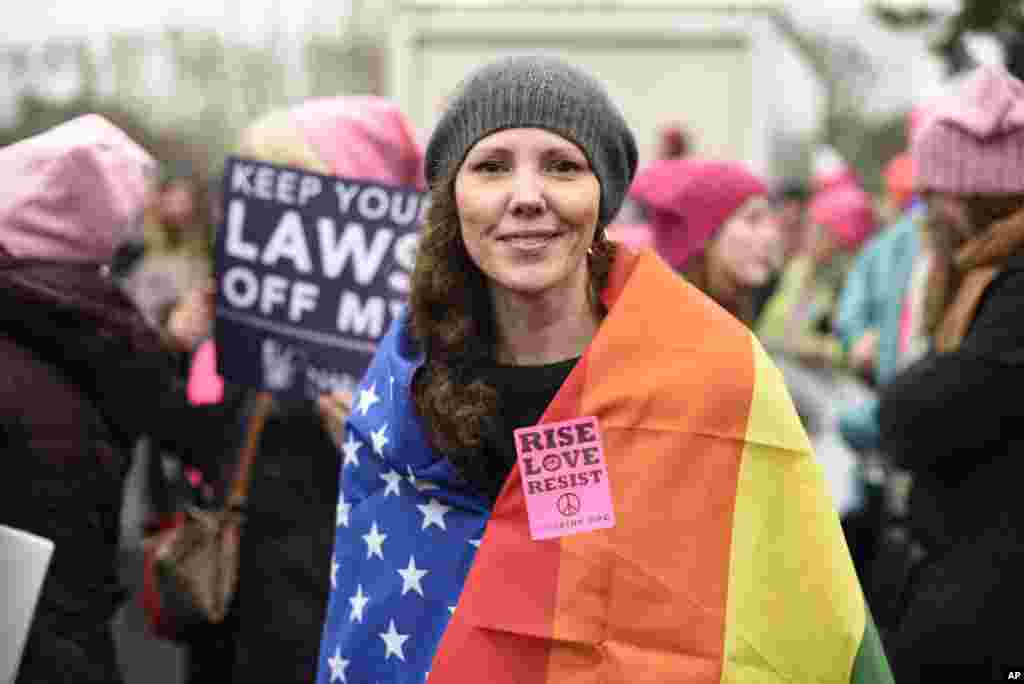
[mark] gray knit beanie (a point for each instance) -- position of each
(538, 92)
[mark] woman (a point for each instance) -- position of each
(797, 320)
(82, 377)
(522, 311)
(276, 616)
(713, 223)
(950, 418)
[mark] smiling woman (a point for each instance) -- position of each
(526, 323)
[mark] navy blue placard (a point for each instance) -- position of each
(311, 270)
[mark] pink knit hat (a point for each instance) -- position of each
(365, 137)
(75, 192)
(688, 200)
(847, 213)
(973, 142)
(830, 170)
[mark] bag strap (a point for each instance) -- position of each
(254, 428)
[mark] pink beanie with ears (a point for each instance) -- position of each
(688, 200)
(847, 213)
(74, 193)
(364, 137)
(973, 141)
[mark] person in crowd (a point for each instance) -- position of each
(712, 222)
(173, 257)
(789, 201)
(950, 418)
(274, 624)
(718, 543)
(83, 376)
(797, 321)
(178, 217)
(879, 323)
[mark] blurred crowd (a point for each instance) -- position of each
(893, 318)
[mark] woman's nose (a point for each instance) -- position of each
(527, 198)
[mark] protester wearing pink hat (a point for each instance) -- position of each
(274, 626)
(845, 217)
(82, 377)
(794, 320)
(73, 194)
(950, 419)
(711, 220)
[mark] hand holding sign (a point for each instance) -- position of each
(192, 317)
(334, 411)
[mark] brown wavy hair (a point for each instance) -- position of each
(945, 277)
(739, 301)
(452, 318)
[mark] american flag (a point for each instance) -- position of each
(407, 531)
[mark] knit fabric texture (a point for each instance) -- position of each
(74, 192)
(689, 200)
(538, 92)
(973, 141)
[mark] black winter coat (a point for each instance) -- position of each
(81, 379)
(956, 422)
(277, 616)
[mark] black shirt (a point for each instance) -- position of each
(524, 392)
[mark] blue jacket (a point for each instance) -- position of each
(873, 297)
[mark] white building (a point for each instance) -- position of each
(712, 65)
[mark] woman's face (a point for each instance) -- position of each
(528, 204)
(748, 248)
(177, 202)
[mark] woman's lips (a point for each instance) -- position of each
(531, 240)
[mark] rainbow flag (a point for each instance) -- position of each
(727, 562)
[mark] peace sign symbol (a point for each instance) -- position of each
(568, 504)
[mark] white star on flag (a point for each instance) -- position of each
(334, 573)
(374, 543)
(433, 513)
(393, 641)
(379, 440)
(368, 398)
(338, 666)
(411, 577)
(419, 485)
(474, 542)
(358, 602)
(351, 449)
(344, 508)
(392, 478)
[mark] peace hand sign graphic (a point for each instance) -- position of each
(568, 504)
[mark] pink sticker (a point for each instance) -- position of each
(565, 478)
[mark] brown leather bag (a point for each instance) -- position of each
(196, 563)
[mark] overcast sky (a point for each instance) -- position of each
(907, 71)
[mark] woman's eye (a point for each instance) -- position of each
(564, 166)
(490, 166)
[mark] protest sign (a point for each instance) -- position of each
(311, 270)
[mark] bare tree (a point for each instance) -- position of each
(844, 70)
